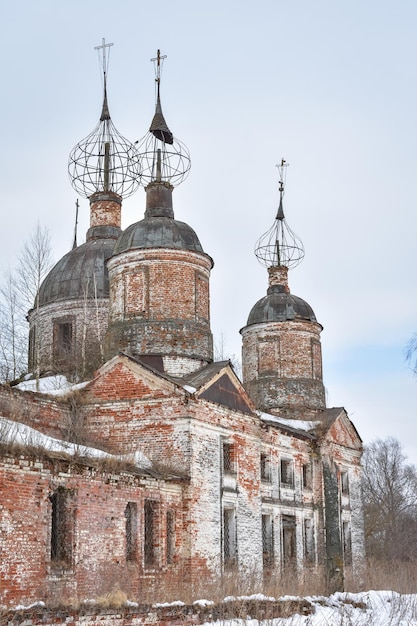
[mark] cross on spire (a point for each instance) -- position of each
(158, 65)
(103, 47)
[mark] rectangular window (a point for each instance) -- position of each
(228, 458)
(307, 475)
(61, 526)
(151, 533)
(309, 541)
(63, 338)
(267, 540)
(170, 536)
(265, 468)
(229, 538)
(287, 473)
(131, 531)
(288, 540)
(347, 543)
(344, 483)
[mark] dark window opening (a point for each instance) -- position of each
(265, 468)
(267, 540)
(347, 543)
(287, 473)
(170, 536)
(63, 339)
(151, 533)
(309, 541)
(61, 526)
(307, 476)
(131, 531)
(344, 482)
(229, 538)
(288, 541)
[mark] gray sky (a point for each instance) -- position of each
(330, 86)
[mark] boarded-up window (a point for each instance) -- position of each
(316, 360)
(134, 294)
(131, 531)
(201, 296)
(229, 538)
(268, 355)
(62, 526)
(267, 540)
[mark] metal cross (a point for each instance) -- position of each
(158, 60)
(103, 47)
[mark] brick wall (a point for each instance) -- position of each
(97, 561)
(282, 364)
(159, 304)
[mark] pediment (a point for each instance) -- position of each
(226, 389)
(124, 378)
(340, 430)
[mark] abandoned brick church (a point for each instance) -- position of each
(155, 463)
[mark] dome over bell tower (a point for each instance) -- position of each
(281, 350)
(159, 274)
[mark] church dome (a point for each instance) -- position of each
(158, 232)
(279, 306)
(80, 274)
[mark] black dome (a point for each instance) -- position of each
(158, 232)
(280, 306)
(79, 274)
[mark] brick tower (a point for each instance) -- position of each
(69, 319)
(281, 349)
(159, 273)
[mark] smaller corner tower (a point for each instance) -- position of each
(281, 349)
(159, 273)
(69, 320)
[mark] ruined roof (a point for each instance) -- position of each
(205, 374)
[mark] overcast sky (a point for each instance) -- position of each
(328, 85)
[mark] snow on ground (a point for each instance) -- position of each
(371, 608)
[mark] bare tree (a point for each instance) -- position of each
(411, 353)
(19, 293)
(389, 488)
(221, 354)
(13, 330)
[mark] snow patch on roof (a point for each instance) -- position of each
(57, 385)
(305, 425)
(16, 433)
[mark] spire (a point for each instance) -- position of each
(279, 247)
(164, 159)
(74, 245)
(104, 161)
